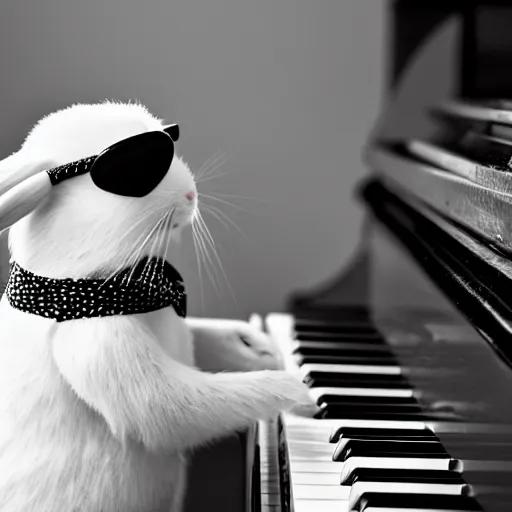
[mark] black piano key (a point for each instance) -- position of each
(379, 433)
(423, 502)
(353, 348)
(340, 337)
(355, 380)
(404, 475)
(370, 448)
(340, 317)
(340, 413)
(380, 413)
(361, 411)
(344, 359)
(367, 407)
(385, 463)
(369, 401)
(358, 329)
(345, 443)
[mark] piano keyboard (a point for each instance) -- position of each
(370, 447)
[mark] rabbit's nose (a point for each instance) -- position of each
(190, 196)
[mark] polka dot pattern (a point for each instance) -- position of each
(66, 171)
(150, 285)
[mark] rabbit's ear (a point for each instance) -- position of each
(18, 167)
(20, 190)
(23, 198)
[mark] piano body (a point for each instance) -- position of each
(409, 351)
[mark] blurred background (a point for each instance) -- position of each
(287, 91)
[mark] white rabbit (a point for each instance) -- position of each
(98, 414)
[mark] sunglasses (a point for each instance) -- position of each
(117, 169)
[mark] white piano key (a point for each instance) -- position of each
(316, 478)
(316, 467)
(306, 442)
(320, 492)
(312, 455)
(359, 488)
(305, 369)
(316, 393)
(319, 430)
(314, 451)
(313, 461)
(320, 506)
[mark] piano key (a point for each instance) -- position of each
(345, 447)
(345, 439)
(314, 478)
(312, 454)
(337, 325)
(352, 378)
(301, 505)
(343, 360)
(346, 409)
(316, 467)
(415, 502)
(368, 400)
(371, 448)
(443, 464)
(313, 427)
(339, 346)
(319, 392)
(350, 368)
(320, 492)
(378, 413)
(362, 337)
(404, 475)
(381, 433)
(327, 379)
(361, 488)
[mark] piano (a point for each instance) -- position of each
(408, 352)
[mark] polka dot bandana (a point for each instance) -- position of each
(150, 285)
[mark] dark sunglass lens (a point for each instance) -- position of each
(173, 130)
(134, 166)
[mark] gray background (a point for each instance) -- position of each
(289, 89)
